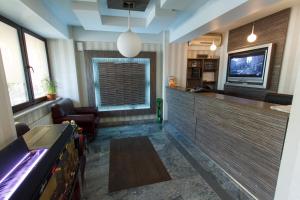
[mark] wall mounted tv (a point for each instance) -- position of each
(249, 67)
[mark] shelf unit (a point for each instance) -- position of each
(202, 72)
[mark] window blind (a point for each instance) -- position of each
(122, 83)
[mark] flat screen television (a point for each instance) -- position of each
(249, 67)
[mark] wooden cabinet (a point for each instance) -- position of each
(202, 72)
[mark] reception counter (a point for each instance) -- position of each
(245, 137)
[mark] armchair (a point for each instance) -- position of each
(21, 128)
(85, 117)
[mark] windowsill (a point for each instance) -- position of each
(34, 107)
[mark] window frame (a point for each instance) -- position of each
(90, 54)
(21, 37)
(98, 64)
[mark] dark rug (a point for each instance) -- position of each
(134, 162)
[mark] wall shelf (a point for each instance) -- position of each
(198, 68)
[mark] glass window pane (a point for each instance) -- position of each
(13, 64)
(37, 57)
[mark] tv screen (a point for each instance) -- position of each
(247, 64)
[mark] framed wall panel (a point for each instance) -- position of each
(91, 55)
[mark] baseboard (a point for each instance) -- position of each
(122, 123)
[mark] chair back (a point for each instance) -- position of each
(283, 99)
(21, 128)
(62, 108)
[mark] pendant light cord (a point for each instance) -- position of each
(129, 28)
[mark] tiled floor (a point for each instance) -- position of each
(187, 179)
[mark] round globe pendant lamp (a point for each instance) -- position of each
(129, 43)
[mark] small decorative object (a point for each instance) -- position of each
(77, 129)
(73, 123)
(194, 64)
(202, 56)
(80, 130)
(159, 104)
(50, 86)
(172, 81)
(212, 56)
(252, 37)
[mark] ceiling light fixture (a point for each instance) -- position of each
(213, 46)
(252, 37)
(129, 43)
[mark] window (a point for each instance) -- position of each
(25, 63)
(37, 60)
(122, 83)
(13, 64)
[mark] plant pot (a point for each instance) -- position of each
(51, 97)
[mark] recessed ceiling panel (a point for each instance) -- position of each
(139, 5)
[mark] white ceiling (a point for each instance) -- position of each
(63, 10)
(184, 19)
(95, 15)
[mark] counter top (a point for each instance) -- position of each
(232, 99)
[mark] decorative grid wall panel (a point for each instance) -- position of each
(93, 58)
(121, 83)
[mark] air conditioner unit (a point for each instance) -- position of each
(207, 40)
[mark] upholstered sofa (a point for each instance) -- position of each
(86, 117)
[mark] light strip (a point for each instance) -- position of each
(23, 176)
(13, 169)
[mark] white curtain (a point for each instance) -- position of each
(7, 129)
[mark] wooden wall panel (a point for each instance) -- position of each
(245, 141)
(90, 54)
(181, 112)
(271, 29)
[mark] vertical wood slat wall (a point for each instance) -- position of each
(181, 112)
(121, 86)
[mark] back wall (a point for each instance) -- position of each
(271, 29)
(111, 46)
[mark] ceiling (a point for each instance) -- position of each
(184, 19)
(137, 5)
(148, 16)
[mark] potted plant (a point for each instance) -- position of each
(50, 86)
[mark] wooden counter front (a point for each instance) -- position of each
(245, 137)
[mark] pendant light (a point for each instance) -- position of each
(129, 43)
(213, 46)
(252, 37)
